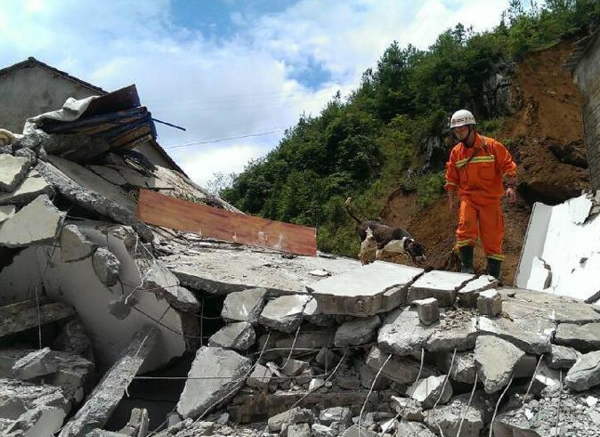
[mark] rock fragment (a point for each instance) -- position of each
(244, 306)
(12, 171)
(585, 373)
(489, 303)
(106, 265)
(284, 313)
(238, 336)
(356, 332)
(496, 361)
(428, 310)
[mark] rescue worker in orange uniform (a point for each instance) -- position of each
(477, 173)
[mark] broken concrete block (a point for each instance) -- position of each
(496, 360)
(74, 246)
(355, 431)
(427, 391)
(336, 415)
(6, 212)
(448, 418)
(467, 295)
(138, 424)
(428, 310)
(12, 171)
(71, 372)
(201, 395)
(402, 333)
(25, 315)
(357, 332)
(33, 410)
(36, 223)
(489, 303)
(401, 370)
(31, 187)
(89, 191)
(412, 429)
(284, 313)
(456, 331)
(439, 284)
(244, 306)
(106, 265)
(319, 430)
(261, 377)
(304, 377)
(327, 358)
(370, 289)
(584, 338)
(367, 379)
(295, 415)
(294, 367)
(72, 338)
(108, 393)
(524, 329)
(315, 384)
(463, 369)
(34, 364)
(229, 270)
(306, 339)
(299, 430)
(562, 357)
(238, 336)
(585, 373)
(408, 408)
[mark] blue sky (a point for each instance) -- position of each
(226, 68)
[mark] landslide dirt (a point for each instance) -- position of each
(546, 139)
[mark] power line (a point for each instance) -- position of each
(218, 140)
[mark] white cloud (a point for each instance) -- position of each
(234, 86)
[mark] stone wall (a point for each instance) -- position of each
(587, 77)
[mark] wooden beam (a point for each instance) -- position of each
(161, 210)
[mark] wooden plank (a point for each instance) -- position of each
(161, 210)
(119, 100)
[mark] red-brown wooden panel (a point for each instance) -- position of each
(161, 210)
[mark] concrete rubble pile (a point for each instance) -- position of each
(262, 343)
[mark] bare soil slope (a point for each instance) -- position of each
(546, 140)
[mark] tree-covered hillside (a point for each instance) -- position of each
(375, 141)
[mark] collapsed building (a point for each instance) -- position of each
(116, 326)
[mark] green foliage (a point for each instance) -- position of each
(364, 145)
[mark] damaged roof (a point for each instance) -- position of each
(33, 62)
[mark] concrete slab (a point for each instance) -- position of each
(84, 188)
(22, 316)
(284, 313)
(584, 338)
(238, 336)
(6, 212)
(244, 306)
(562, 357)
(30, 188)
(430, 390)
(108, 393)
(34, 364)
(222, 270)
(496, 360)
(556, 308)
(33, 410)
(357, 332)
(439, 284)
(72, 373)
(531, 334)
(463, 369)
(108, 173)
(467, 295)
(448, 418)
(402, 332)
(370, 289)
(12, 171)
(399, 369)
(37, 223)
(202, 395)
(74, 246)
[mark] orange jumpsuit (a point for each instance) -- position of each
(477, 173)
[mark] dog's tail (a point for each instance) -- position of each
(347, 203)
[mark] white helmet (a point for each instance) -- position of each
(461, 118)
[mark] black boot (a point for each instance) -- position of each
(466, 259)
(493, 267)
